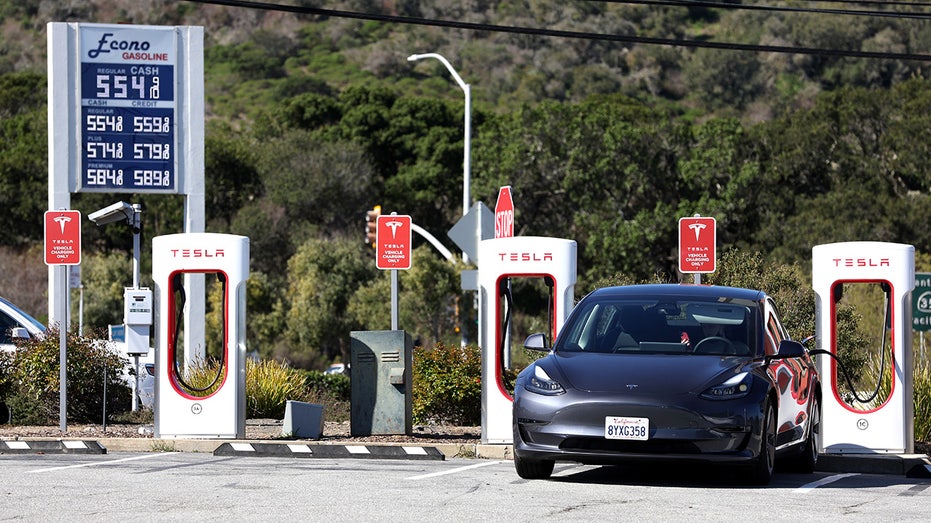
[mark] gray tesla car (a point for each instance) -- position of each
(669, 372)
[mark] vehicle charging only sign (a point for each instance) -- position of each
(697, 239)
(128, 111)
(393, 242)
(62, 237)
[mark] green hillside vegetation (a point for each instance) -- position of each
(312, 121)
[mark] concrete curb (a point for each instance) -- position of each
(910, 465)
(302, 450)
(449, 450)
(51, 446)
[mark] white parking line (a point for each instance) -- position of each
(805, 489)
(134, 458)
(455, 470)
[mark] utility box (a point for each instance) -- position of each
(380, 372)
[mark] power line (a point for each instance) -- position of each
(772, 8)
(579, 35)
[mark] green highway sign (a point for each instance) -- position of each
(921, 302)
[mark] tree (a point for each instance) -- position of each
(322, 187)
(322, 276)
(23, 157)
(428, 297)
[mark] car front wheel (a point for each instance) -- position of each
(533, 468)
(761, 471)
(805, 462)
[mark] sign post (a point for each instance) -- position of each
(393, 252)
(504, 213)
(697, 240)
(63, 248)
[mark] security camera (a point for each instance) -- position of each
(113, 213)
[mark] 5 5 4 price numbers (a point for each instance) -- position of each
(100, 123)
(99, 177)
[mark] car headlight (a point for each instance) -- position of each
(735, 387)
(541, 383)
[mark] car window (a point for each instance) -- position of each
(775, 332)
(6, 325)
(676, 326)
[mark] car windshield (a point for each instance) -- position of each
(668, 326)
(20, 314)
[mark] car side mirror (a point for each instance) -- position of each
(20, 333)
(790, 349)
(536, 341)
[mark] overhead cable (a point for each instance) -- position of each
(580, 35)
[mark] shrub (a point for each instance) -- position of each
(922, 394)
(447, 385)
(269, 385)
(32, 379)
(332, 391)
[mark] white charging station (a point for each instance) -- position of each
(553, 259)
(137, 318)
(180, 411)
(889, 426)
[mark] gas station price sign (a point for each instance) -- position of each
(128, 109)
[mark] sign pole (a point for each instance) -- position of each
(394, 299)
(393, 252)
(62, 351)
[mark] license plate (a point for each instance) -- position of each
(627, 428)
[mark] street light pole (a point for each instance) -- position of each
(467, 160)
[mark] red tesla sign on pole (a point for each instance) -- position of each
(62, 237)
(393, 242)
(504, 213)
(697, 238)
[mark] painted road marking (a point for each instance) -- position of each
(805, 489)
(110, 462)
(454, 471)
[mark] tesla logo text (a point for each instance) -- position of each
(861, 262)
(197, 253)
(525, 256)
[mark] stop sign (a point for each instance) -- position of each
(504, 213)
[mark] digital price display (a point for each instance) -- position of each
(128, 109)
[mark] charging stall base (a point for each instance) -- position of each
(524, 257)
(887, 428)
(221, 413)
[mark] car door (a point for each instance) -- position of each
(793, 381)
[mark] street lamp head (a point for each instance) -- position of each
(413, 57)
(113, 213)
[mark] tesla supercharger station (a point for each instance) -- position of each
(552, 259)
(886, 425)
(181, 410)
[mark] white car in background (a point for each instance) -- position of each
(16, 324)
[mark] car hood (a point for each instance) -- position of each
(643, 373)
